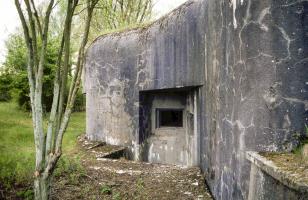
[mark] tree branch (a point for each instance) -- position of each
(55, 101)
(63, 74)
(33, 34)
(30, 52)
(138, 9)
(77, 76)
(37, 18)
(145, 9)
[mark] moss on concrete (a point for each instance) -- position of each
(293, 165)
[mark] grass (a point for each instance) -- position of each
(17, 146)
(303, 141)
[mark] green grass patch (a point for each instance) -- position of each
(303, 141)
(17, 145)
(106, 189)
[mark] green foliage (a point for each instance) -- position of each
(80, 102)
(116, 196)
(303, 139)
(5, 86)
(105, 189)
(70, 166)
(17, 146)
(27, 194)
(110, 15)
(122, 13)
(15, 77)
(16, 58)
(16, 66)
(21, 90)
(140, 184)
(140, 191)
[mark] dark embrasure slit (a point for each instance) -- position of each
(169, 118)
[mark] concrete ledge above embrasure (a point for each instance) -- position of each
(277, 173)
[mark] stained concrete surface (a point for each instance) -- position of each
(249, 60)
(277, 176)
(168, 145)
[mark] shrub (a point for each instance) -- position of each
(16, 64)
(27, 194)
(80, 102)
(5, 86)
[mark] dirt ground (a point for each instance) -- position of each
(99, 178)
(125, 179)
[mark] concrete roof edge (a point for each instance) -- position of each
(143, 27)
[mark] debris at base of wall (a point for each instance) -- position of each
(188, 193)
(196, 183)
(95, 168)
(122, 175)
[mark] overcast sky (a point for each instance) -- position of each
(9, 18)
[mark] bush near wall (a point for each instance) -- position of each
(5, 87)
(14, 78)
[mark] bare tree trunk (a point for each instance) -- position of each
(48, 147)
(42, 188)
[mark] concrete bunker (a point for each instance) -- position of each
(245, 63)
(168, 126)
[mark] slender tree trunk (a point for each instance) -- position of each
(48, 147)
(42, 188)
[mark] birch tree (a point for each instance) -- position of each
(115, 14)
(48, 143)
(121, 13)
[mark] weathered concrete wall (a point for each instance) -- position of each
(256, 85)
(264, 187)
(267, 181)
(249, 58)
(119, 66)
(169, 145)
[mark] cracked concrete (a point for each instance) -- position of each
(249, 60)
